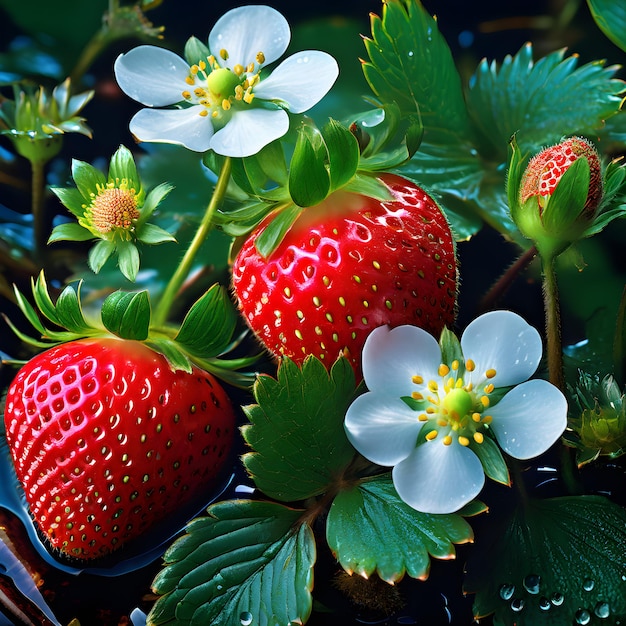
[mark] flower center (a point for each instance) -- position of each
(113, 208)
(452, 408)
(217, 88)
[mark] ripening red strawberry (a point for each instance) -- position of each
(106, 440)
(346, 266)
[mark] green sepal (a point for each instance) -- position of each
(299, 445)
(514, 175)
(244, 560)
(276, 229)
(127, 315)
(309, 179)
(154, 197)
(71, 198)
(343, 153)
(99, 254)
(87, 178)
(260, 173)
(451, 350)
(370, 529)
(68, 311)
(70, 231)
(175, 355)
(208, 326)
(568, 551)
(491, 459)
(195, 51)
(610, 16)
(151, 234)
(122, 165)
(128, 259)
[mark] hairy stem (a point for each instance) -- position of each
(182, 271)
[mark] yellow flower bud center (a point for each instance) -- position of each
(458, 403)
(222, 82)
(112, 208)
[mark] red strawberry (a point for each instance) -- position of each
(106, 440)
(346, 266)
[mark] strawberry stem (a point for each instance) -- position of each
(184, 267)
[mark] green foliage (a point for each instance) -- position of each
(127, 315)
(610, 16)
(551, 562)
(370, 529)
(244, 560)
(296, 429)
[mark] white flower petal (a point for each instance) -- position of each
(382, 428)
(504, 341)
(250, 130)
(179, 126)
(392, 357)
(529, 419)
(245, 31)
(151, 75)
(437, 478)
(301, 80)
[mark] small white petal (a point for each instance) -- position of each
(529, 419)
(245, 31)
(504, 341)
(382, 428)
(247, 132)
(437, 478)
(178, 126)
(301, 80)
(392, 357)
(153, 76)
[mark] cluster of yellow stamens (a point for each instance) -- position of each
(452, 408)
(216, 87)
(113, 207)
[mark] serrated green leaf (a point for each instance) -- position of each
(296, 430)
(492, 460)
(309, 180)
(271, 236)
(245, 560)
(208, 327)
(610, 16)
(343, 153)
(566, 555)
(71, 231)
(127, 315)
(526, 97)
(370, 529)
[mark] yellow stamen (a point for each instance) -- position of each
(489, 388)
(464, 441)
(459, 383)
(223, 54)
(470, 366)
(202, 65)
(432, 385)
(416, 395)
(204, 113)
(478, 437)
(447, 440)
(250, 68)
(455, 365)
(422, 417)
(487, 419)
(260, 58)
(431, 435)
(186, 95)
(248, 97)
(190, 81)
(238, 69)
(442, 422)
(444, 370)
(490, 373)
(225, 104)
(194, 69)
(476, 417)
(418, 380)
(430, 410)
(484, 400)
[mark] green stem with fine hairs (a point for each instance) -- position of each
(184, 267)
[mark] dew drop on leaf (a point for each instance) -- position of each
(582, 617)
(588, 584)
(557, 598)
(506, 591)
(602, 610)
(245, 618)
(517, 604)
(532, 583)
(544, 603)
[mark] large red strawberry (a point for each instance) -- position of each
(106, 440)
(346, 266)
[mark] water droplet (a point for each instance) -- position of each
(588, 585)
(506, 591)
(532, 583)
(557, 598)
(544, 603)
(411, 53)
(602, 610)
(517, 604)
(582, 617)
(219, 587)
(245, 618)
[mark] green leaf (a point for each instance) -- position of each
(208, 327)
(244, 561)
(127, 315)
(527, 98)
(152, 235)
(122, 166)
(271, 236)
(296, 429)
(451, 350)
(411, 64)
(69, 312)
(175, 356)
(343, 153)
(556, 558)
(195, 51)
(71, 198)
(492, 460)
(71, 231)
(128, 259)
(610, 16)
(99, 254)
(370, 529)
(309, 180)
(87, 177)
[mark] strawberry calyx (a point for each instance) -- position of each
(203, 338)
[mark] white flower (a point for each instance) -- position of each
(425, 417)
(224, 102)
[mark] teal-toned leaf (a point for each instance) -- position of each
(296, 430)
(370, 529)
(152, 235)
(127, 315)
(343, 153)
(309, 180)
(71, 231)
(410, 64)
(492, 460)
(558, 560)
(208, 327)
(196, 51)
(246, 562)
(610, 16)
(604, 219)
(528, 98)
(69, 312)
(271, 236)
